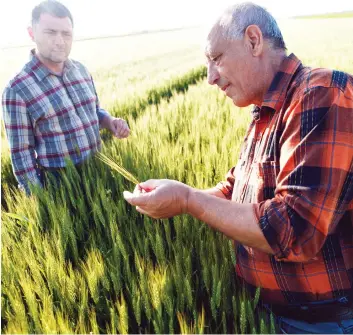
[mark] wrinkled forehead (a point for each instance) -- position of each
(215, 40)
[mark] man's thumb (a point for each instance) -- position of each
(133, 199)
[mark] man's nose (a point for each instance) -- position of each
(59, 39)
(212, 74)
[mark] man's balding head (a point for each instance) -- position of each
(235, 19)
(244, 50)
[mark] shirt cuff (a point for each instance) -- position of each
(102, 113)
(28, 179)
(262, 216)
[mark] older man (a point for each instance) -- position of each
(291, 208)
(51, 109)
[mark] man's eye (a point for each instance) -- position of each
(216, 59)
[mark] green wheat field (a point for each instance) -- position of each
(80, 259)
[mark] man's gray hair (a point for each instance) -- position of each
(237, 18)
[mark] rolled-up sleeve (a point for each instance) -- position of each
(315, 182)
(21, 140)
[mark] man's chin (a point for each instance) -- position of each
(59, 59)
(234, 99)
(239, 103)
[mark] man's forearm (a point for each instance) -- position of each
(237, 221)
(216, 192)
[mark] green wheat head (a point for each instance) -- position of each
(117, 167)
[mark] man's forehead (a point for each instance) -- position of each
(215, 41)
(48, 20)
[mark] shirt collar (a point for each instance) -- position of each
(41, 71)
(276, 94)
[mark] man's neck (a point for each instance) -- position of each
(270, 68)
(56, 68)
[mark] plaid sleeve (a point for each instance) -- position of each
(102, 113)
(315, 182)
(20, 135)
(226, 187)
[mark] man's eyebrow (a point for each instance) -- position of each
(211, 55)
(209, 52)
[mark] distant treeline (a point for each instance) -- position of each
(340, 15)
(80, 39)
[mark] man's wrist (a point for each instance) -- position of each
(186, 206)
(107, 119)
(193, 204)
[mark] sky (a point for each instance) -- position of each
(114, 17)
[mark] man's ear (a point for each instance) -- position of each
(30, 33)
(254, 38)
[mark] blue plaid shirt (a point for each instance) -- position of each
(50, 118)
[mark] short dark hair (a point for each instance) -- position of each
(52, 7)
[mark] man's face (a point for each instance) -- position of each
(53, 37)
(232, 67)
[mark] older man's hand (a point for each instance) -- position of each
(160, 198)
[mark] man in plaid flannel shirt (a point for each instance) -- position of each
(51, 109)
(291, 192)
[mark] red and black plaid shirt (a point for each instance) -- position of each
(296, 166)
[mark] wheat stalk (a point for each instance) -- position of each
(126, 174)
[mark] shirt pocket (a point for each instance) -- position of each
(86, 90)
(265, 180)
(86, 102)
(47, 106)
